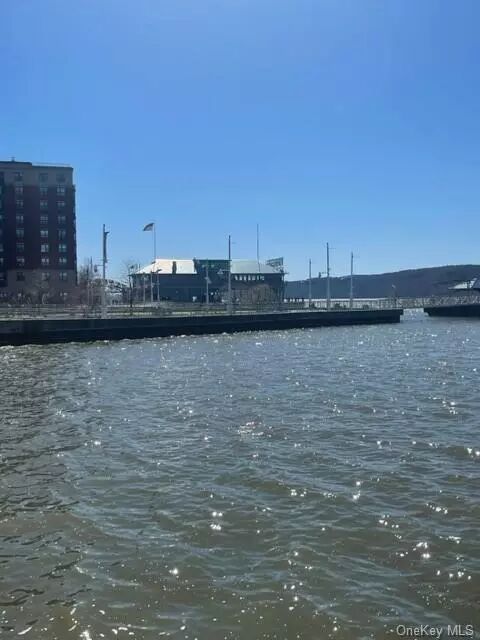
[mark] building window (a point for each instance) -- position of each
(45, 276)
(18, 176)
(63, 275)
(60, 204)
(20, 233)
(20, 276)
(44, 248)
(43, 204)
(43, 219)
(62, 248)
(20, 247)
(60, 177)
(62, 234)
(1, 248)
(45, 261)
(62, 262)
(60, 191)
(19, 203)
(19, 218)
(43, 177)
(19, 190)
(44, 233)
(2, 218)
(20, 261)
(62, 219)
(43, 192)
(2, 260)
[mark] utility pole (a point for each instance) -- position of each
(351, 280)
(310, 283)
(229, 303)
(328, 277)
(104, 271)
(207, 282)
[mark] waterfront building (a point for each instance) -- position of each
(254, 282)
(184, 280)
(469, 285)
(38, 258)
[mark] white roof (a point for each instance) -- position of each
(165, 266)
(470, 284)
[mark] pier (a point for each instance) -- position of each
(460, 310)
(57, 330)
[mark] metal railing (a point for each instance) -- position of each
(28, 311)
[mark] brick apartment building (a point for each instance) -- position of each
(38, 261)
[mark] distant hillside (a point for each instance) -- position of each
(411, 283)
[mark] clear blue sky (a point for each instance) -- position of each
(352, 121)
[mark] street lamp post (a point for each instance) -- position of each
(130, 285)
(151, 226)
(328, 277)
(104, 271)
(351, 280)
(207, 282)
(229, 302)
(310, 283)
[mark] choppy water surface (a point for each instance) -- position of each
(304, 484)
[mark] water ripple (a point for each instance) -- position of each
(304, 484)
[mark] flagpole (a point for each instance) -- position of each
(154, 241)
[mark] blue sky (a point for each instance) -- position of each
(352, 121)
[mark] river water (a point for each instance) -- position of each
(304, 484)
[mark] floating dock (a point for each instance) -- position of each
(46, 331)
(454, 310)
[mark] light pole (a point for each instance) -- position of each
(151, 226)
(207, 282)
(131, 269)
(310, 283)
(394, 295)
(229, 303)
(351, 280)
(154, 228)
(104, 271)
(328, 277)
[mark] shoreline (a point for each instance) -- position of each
(49, 331)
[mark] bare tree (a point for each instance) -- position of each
(129, 266)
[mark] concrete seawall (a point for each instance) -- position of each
(454, 311)
(45, 331)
